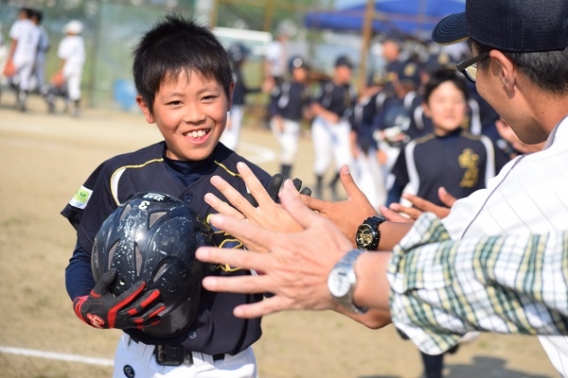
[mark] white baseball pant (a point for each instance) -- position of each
(331, 138)
(232, 134)
(287, 139)
(139, 361)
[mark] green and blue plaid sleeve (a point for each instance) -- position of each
(441, 288)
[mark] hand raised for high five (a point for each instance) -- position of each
(262, 210)
(347, 214)
(420, 205)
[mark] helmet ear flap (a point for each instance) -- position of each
(153, 238)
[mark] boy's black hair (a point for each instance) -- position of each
(175, 45)
(548, 69)
(27, 11)
(442, 75)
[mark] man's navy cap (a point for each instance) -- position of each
(343, 60)
(508, 25)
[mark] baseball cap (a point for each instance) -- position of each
(343, 60)
(437, 61)
(409, 73)
(74, 26)
(509, 25)
(297, 62)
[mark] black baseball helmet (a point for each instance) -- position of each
(297, 61)
(237, 52)
(153, 237)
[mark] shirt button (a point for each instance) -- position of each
(193, 335)
(188, 198)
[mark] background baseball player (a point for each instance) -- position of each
(291, 100)
(71, 51)
(237, 54)
(330, 128)
(24, 36)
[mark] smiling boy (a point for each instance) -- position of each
(184, 83)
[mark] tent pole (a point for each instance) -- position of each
(367, 33)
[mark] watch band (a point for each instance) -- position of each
(344, 268)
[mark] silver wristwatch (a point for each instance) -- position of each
(341, 281)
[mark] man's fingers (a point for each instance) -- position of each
(446, 198)
(254, 237)
(419, 202)
(258, 309)
(313, 203)
(292, 203)
(392, 215)
(348, 182)
(222, 207)
(411, 212)
(237, 284)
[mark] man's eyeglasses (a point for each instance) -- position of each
(469, 67)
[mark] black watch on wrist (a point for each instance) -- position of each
(368, 235)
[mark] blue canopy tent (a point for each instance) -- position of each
(414, 18)
(411, 17)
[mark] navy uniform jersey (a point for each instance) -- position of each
(338, 99)
(215, 329)
(460, 162)
(241, 90)
(362, 119)
(290, 100)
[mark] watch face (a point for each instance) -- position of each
(338, 283)
(365, 236)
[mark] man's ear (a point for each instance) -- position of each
(505, 70)
(145, 109)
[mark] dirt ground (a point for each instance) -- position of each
(43, 161)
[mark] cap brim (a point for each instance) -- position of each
(451, 29)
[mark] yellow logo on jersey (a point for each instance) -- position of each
(470, 161)
(224, 240)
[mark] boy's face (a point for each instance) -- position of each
(343, 74)
(191, 112)
(447, 108)
(300, 74)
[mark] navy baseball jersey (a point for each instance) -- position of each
(460, 162)
(363, 119)
(338, 99)
(215, 330)
(290, 99)
(241, 90)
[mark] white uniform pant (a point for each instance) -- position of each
(140, 358)
(73, 82)
(331, 138)
(287, 139)
(369, 178)
(232, 134)
(24, 73)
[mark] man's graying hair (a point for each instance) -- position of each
(548, 70)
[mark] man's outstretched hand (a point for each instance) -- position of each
(296, 268)
(347, 214)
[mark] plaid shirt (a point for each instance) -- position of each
(442, 289)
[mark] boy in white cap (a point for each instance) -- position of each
(71, 51)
